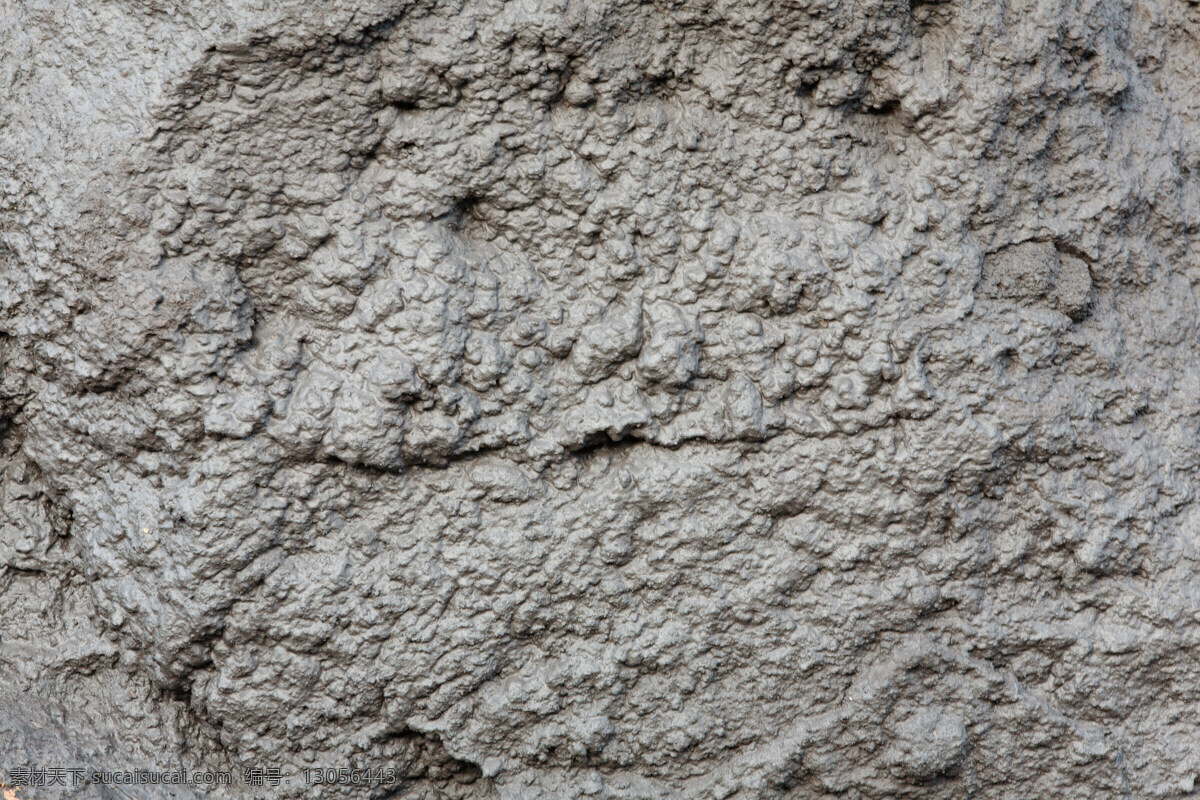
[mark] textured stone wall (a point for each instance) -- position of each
(603, 398)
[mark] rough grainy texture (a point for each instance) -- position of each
(613, 399)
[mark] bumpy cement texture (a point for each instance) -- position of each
(556, 399)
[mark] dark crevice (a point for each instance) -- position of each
(452, 459)
(205, 732)
(662, 87)
(601, 440)
(885, 108)
(465, 212)
(29, 572)
(428, 759)
(359, 466)
(1072, 250)
(592, 444)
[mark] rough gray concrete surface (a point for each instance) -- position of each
(603, 398)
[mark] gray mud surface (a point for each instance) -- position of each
(558, 399)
